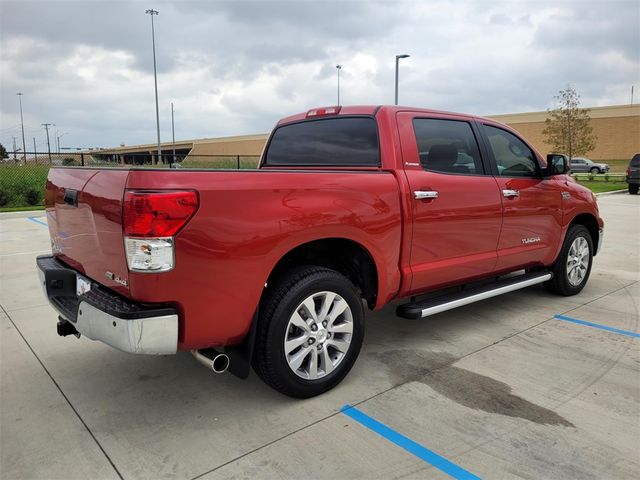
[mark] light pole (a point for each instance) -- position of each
(58, 138)
(24, 146)
(339, 67)
(153, 12)
(398, 57)
(173, 135)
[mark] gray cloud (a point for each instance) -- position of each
(235, 67)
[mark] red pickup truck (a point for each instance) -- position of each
(272, 268)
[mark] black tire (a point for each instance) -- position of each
(595, 170)
(633, 188)
(560, 283)
(284, 299)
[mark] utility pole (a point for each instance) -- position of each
(35, 150)
(173, 135)
(14, 148)
(24, 146)
(46, 127)
(153, 12)
(631, 94)
(339, 67)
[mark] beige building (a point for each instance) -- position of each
(616, 127)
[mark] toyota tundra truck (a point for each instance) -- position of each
(350, 208)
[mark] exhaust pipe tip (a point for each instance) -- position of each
(213, 360)
(220, 363)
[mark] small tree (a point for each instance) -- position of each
(3, 152)
(567, 128)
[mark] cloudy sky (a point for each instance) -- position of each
(235, 67)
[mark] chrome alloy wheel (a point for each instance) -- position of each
(318, 335)
(578, 261)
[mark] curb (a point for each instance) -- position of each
(613, 192)
(22, 214)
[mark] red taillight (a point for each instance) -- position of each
(159, 213)
(322, 112)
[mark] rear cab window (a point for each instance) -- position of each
(335, 142)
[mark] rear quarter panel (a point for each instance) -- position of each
(247, 221)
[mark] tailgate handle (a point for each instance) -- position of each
(71, 197)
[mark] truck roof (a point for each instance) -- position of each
(373, 110)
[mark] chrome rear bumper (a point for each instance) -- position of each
(105, 316)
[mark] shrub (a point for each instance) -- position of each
(33, 196)
(22, 185)
(68, 161)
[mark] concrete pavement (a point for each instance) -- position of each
(500, 388)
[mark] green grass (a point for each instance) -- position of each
(22, 209)
(599, 187)
(616, 165)
(22, 185)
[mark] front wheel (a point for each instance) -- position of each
(595, 170)
(310, 332)
(633, 188)
(573, 266)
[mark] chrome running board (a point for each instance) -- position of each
(432, 306)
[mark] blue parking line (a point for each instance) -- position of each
(34, 219)
(407, 444)
(597, 325)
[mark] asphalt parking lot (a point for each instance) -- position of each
(510, 387)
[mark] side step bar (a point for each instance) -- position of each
(432, 306)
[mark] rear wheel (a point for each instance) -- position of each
(633, 188)
(573, 266)
(310, 333)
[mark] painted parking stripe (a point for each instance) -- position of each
(34, 219)
(407, 444)
(597, 325)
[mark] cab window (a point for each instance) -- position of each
(447, 146)
(513, 157)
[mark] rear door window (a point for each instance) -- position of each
(447, 146)
(346, 141)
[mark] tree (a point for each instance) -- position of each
(3, 152)
(567, 128)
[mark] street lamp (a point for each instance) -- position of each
(339, 67)
(58, 140)
(153, 12)
(24, 147)
(398, 57)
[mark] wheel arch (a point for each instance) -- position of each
(346, 256)
(590, 222)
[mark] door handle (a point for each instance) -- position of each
(422, 194)
(510, 193)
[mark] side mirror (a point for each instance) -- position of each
(556, 165)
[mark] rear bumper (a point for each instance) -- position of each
(102, 315)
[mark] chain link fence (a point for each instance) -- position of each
(23, 175)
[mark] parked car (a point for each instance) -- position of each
(633, 174)
(581, 164)
(272, 268)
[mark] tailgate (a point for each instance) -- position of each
(84, 211)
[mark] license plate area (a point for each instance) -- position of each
(83, 285)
